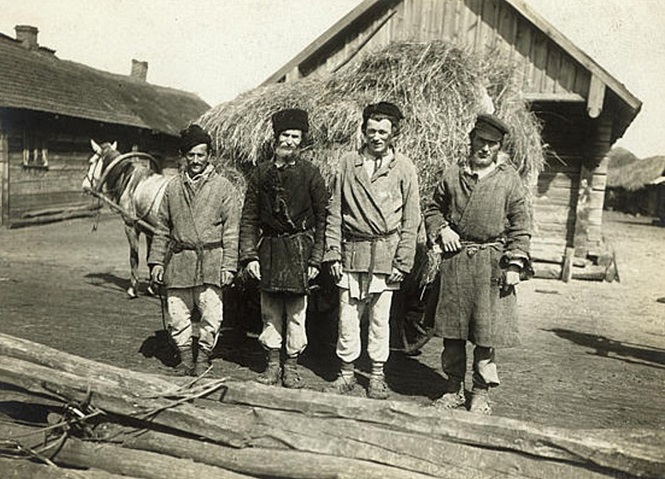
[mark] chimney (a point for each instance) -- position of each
(139, 70)
(27, 35)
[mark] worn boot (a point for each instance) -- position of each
(345, 382)
(453, 397)
(187, 367)
(273, 371)
(480, 400)
(203, 362)
(291, 377)
(377, 388)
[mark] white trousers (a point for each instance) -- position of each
(276, 308)
(182, 301)
(350, 312)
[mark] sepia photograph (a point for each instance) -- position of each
(318, 239)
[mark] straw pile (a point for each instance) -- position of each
(439, 87)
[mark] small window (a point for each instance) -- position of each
(35, 151)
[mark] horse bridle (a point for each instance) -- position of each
(119, 159)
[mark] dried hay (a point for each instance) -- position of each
(636, 175)
(439, 87)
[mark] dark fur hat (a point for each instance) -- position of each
(290, 119)
(193, 135)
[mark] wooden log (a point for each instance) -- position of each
(25, 469)
(118, 460)
(547, 270)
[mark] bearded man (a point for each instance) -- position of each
(281, 244)
(480, 220)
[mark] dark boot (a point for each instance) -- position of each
(273, 372)
(291, 377)
(187, 366)
(203, 362)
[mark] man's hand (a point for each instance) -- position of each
(336, 270)
(449, 240)
(157, 274)
(312, 272)
(226, 278)
(512, 277)
(254, 269)
(396, 276)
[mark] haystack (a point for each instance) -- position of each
(439, 87)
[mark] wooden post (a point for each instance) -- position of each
(567, 271)
(4, 175)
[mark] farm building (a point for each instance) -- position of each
(638, 187)
(582, 108)
(51, 108)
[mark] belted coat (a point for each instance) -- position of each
(196, 235)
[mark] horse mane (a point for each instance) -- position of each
(123, 173)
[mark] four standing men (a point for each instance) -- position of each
(195, 248)
(371, 229)
(281, 243)
(478, 217)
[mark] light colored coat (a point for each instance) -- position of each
(197, 232)
(372, 222)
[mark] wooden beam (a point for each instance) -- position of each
(596, 97)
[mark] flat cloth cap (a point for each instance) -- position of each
(382, 108)
(192, 136)
(290, 119)
(490, 127)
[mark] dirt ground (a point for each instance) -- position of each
(592, 353)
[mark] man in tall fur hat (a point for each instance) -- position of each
(479, 218)
(371, 230)
(281, 243)
(195, 248)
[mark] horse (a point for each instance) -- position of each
(132, 188)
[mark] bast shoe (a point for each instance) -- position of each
(291, 378)
(271, 375)
(480, 401)
(377, 389)
(452, 399)
(342, 385)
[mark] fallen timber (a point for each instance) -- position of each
(259, 431)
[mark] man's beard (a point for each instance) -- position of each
(285, 151)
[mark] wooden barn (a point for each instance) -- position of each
(583, 109)
(51, 108)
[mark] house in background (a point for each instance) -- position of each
(583, 109)
(51, 108)
(638, 187)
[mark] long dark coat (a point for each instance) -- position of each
(492, 218)
(283, 222)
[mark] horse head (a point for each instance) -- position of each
(102, 155)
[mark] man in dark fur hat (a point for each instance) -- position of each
(371, 229)
(281, 243)
(195, 248)
(479, 218)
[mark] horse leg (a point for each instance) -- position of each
(133, 239)
(152, 287)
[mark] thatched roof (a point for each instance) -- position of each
(438, 86)
(35, 79)
(636, 175)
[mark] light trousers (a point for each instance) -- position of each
(277, 311)
(350, 312)
(181, 303)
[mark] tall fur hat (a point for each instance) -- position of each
(290, 119)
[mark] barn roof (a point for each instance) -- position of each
(638, 174)
(374, 14)
(35, 79)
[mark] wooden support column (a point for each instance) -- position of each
(596, 97)
(4, 174)
(591, 194)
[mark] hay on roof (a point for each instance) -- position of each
(636, 175)
(438, 86)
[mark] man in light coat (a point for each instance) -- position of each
(371, 228)
(195, 248)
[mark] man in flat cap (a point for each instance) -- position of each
(371, 228)
(195, 248)
(479, 219)
(281, 244)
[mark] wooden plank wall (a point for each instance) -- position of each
(484, 25)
